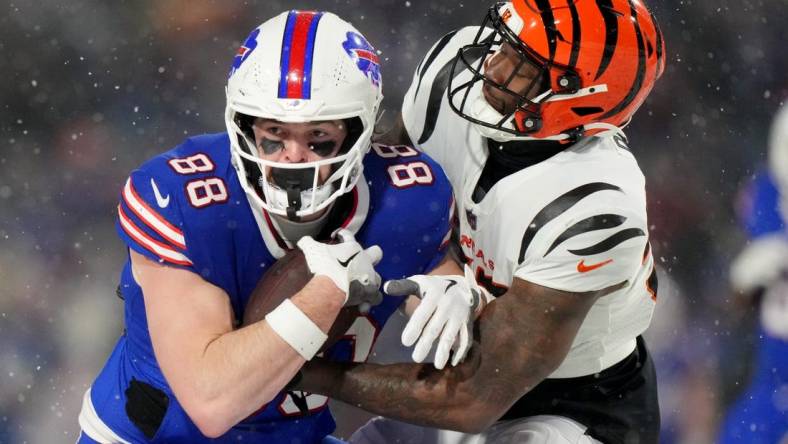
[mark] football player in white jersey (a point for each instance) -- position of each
(525, 114)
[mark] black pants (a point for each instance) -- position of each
(618, 405)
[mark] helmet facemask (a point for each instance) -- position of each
(295, 190)
(467, 98)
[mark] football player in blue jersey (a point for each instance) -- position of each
(760, 274)
(206, 219)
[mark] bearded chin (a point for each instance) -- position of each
(481, 110)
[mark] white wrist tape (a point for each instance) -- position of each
(484, 298)
(295, 328)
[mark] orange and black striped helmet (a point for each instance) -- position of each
(599, 60)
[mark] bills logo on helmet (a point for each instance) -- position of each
(364, 55)
(244, 51)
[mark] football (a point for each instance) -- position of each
(285, 278)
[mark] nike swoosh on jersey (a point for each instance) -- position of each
(347, 261)
(161, 201)
(583, 268)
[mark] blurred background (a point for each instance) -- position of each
(90, 89)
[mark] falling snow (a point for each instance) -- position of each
(92, 89)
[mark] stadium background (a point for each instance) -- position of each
(91, 88)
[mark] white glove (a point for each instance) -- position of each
(760, 263)
(348, 264)
(449, 303)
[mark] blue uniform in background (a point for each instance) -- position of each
(186, 208)
(760, 415)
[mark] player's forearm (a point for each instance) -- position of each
(242, 370)
(414, 393)
(501, 368)
(448, 266)
(239, 373)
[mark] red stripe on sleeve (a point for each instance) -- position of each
(157, 248)
(156, 217)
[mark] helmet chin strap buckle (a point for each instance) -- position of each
(293, 202)
(575, 134)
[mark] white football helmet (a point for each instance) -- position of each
(302, 66)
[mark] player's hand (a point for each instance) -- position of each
(760, 264)
(448, 308)
(348, 265)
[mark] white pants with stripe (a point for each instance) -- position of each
(93, 427)
(542, 429)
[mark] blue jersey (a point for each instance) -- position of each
(186, 208)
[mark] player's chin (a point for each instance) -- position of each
(496, 103)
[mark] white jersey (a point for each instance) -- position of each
(574, 222)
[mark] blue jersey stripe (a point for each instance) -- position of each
(284, 61)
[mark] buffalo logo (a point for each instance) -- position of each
(244, 51)
(364, 55)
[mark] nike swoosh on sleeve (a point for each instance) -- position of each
(161, 201)
(583, 268)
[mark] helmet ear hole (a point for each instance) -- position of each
(586, 110)
(354, 130)
(245, 123)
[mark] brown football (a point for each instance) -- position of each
(285, 278)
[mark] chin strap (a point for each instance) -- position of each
(572, 136)
(293, 182)
(293, 201)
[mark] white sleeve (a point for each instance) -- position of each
(414, 104)
(430, 80)
(586, 251)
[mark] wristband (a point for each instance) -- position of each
(295, 328)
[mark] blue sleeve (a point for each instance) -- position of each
(150, 221)
(759, 206)
(445, 226)
(431, 216)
